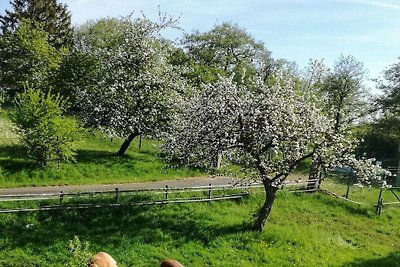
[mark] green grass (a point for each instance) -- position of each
(366, 194)
(302, 230)
(96, 162)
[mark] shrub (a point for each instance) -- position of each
(80, 252)
(47, 135)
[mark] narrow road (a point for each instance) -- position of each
(180, 183)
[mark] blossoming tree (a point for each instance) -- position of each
(135, 81)
(268, 128)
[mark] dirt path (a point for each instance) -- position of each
(180, 183)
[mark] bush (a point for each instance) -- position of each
(81, 254)
(47, 135)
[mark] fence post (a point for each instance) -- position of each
(166, 192)
(61, 198)
(348, 185)
(116, 195)
(319, 180)
(209, 191)
(380, 202)
(380, 206)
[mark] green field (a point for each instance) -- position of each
(302, 230)
(96, 162)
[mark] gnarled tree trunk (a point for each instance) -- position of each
(270, 195)
(126, 143)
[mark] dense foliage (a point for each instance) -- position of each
(26, 56)
(54, 16)
(225, 50)
(47, 135)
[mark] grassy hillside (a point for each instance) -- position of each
(95, 163)
(303, 230)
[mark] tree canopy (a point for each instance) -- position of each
(225, 50)
(54, 16)
(27, 56)
(383, 135)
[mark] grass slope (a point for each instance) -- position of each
(303, 230)
(96, 162)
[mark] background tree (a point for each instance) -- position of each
(54, 16)
(390, 100)
(343, 92)
(343, 99)
(225, 50)
(78, 71)
(82, 68)
(381, 138)
(47, 135)
(136, 83)
(382, 135)
(26, 56)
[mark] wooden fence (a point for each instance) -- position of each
(204, 194)
(380, 204)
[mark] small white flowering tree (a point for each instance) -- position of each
(135, 82)
(267, 128)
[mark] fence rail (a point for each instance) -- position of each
(212, 193)
(380, 204)
(169, 195)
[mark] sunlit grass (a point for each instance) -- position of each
(302, 230)
(96, 162)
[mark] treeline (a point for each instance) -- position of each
(119, 74)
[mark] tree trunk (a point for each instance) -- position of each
(270, 195)
(126, 143)
(313, 175)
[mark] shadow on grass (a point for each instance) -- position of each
(14, 158)
(106, 227)
(96, 156)
(392, 260)
(13, 151)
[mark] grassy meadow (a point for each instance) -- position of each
(302, 230)
(96, 162)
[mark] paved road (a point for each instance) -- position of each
(180, 183)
